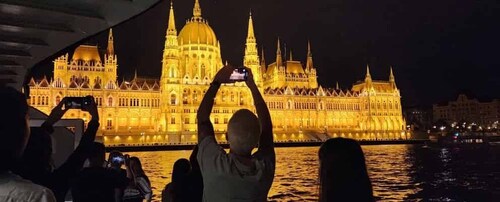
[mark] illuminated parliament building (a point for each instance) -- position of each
(148, 111)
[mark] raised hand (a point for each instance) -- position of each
(250, 82)
(223, 75)
(57, 113)
(92, 108)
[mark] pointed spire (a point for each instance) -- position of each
(368, 77)
(337, 86)
(391, 76)
(135, 75)
(309, 53)
(226, 63)
(111, 47)
(196, 10)
(171, 30)
(368, 71)
(291, 57)
(278, 55)
(309, 61)
(250, 33)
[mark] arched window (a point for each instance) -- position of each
(110, 101)
(195, 96)
(185, 96)
(172, 99)
(232, 96)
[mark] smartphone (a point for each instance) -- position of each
(77, 102)
(239, 74)
(118, 159)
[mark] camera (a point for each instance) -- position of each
(77, 102)
(239, 74)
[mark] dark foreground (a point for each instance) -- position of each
(410, 172)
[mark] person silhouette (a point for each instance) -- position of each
(238, 175)
(342, 172)
(14, 135)
(178, 188)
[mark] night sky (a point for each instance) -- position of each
(437, 48)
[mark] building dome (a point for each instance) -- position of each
(294, 67)
(86, 53)
(196, 30)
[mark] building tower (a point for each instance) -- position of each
(110, 63)
(251, 58)
(170, 62)
(170, 75)
(310, 70)
(392, 80)
(279, 60)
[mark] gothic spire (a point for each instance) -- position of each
(291, 57)
(278, 54)
(171, 30)
(368, 77)
(391, 76)
(250, 33)
(111, 47)
(309, 61)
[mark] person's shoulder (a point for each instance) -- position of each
(32, 191)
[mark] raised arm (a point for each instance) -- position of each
(205, 127)
(266, 138)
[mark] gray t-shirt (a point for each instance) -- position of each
(227, 179)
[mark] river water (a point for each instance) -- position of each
(397, 172)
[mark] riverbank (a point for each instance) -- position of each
(173, 147)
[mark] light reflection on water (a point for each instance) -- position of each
(398, 172)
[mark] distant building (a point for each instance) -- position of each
(418, 118)
(164, 109)
(468, 110)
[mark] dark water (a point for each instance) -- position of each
(398, 173)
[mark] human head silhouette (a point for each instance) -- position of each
(97, 154)
(243, 132)
(343, 175)
(14, 126)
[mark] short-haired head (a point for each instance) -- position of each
(97, 154)
(14, 127)
(243, 131)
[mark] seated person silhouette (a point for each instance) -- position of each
(187, 182)
(238, 175)
(14, 135)
(96, 182)
(342, 173)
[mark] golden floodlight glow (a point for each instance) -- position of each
(166, 106)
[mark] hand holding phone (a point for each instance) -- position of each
(77, 102)
(239, 74)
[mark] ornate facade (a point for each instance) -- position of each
(156, 111)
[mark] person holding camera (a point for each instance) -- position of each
(37, 164)
(96, 182)
(237, 175)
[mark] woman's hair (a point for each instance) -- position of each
(136, 167)
(180, 179)
(342, 172)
